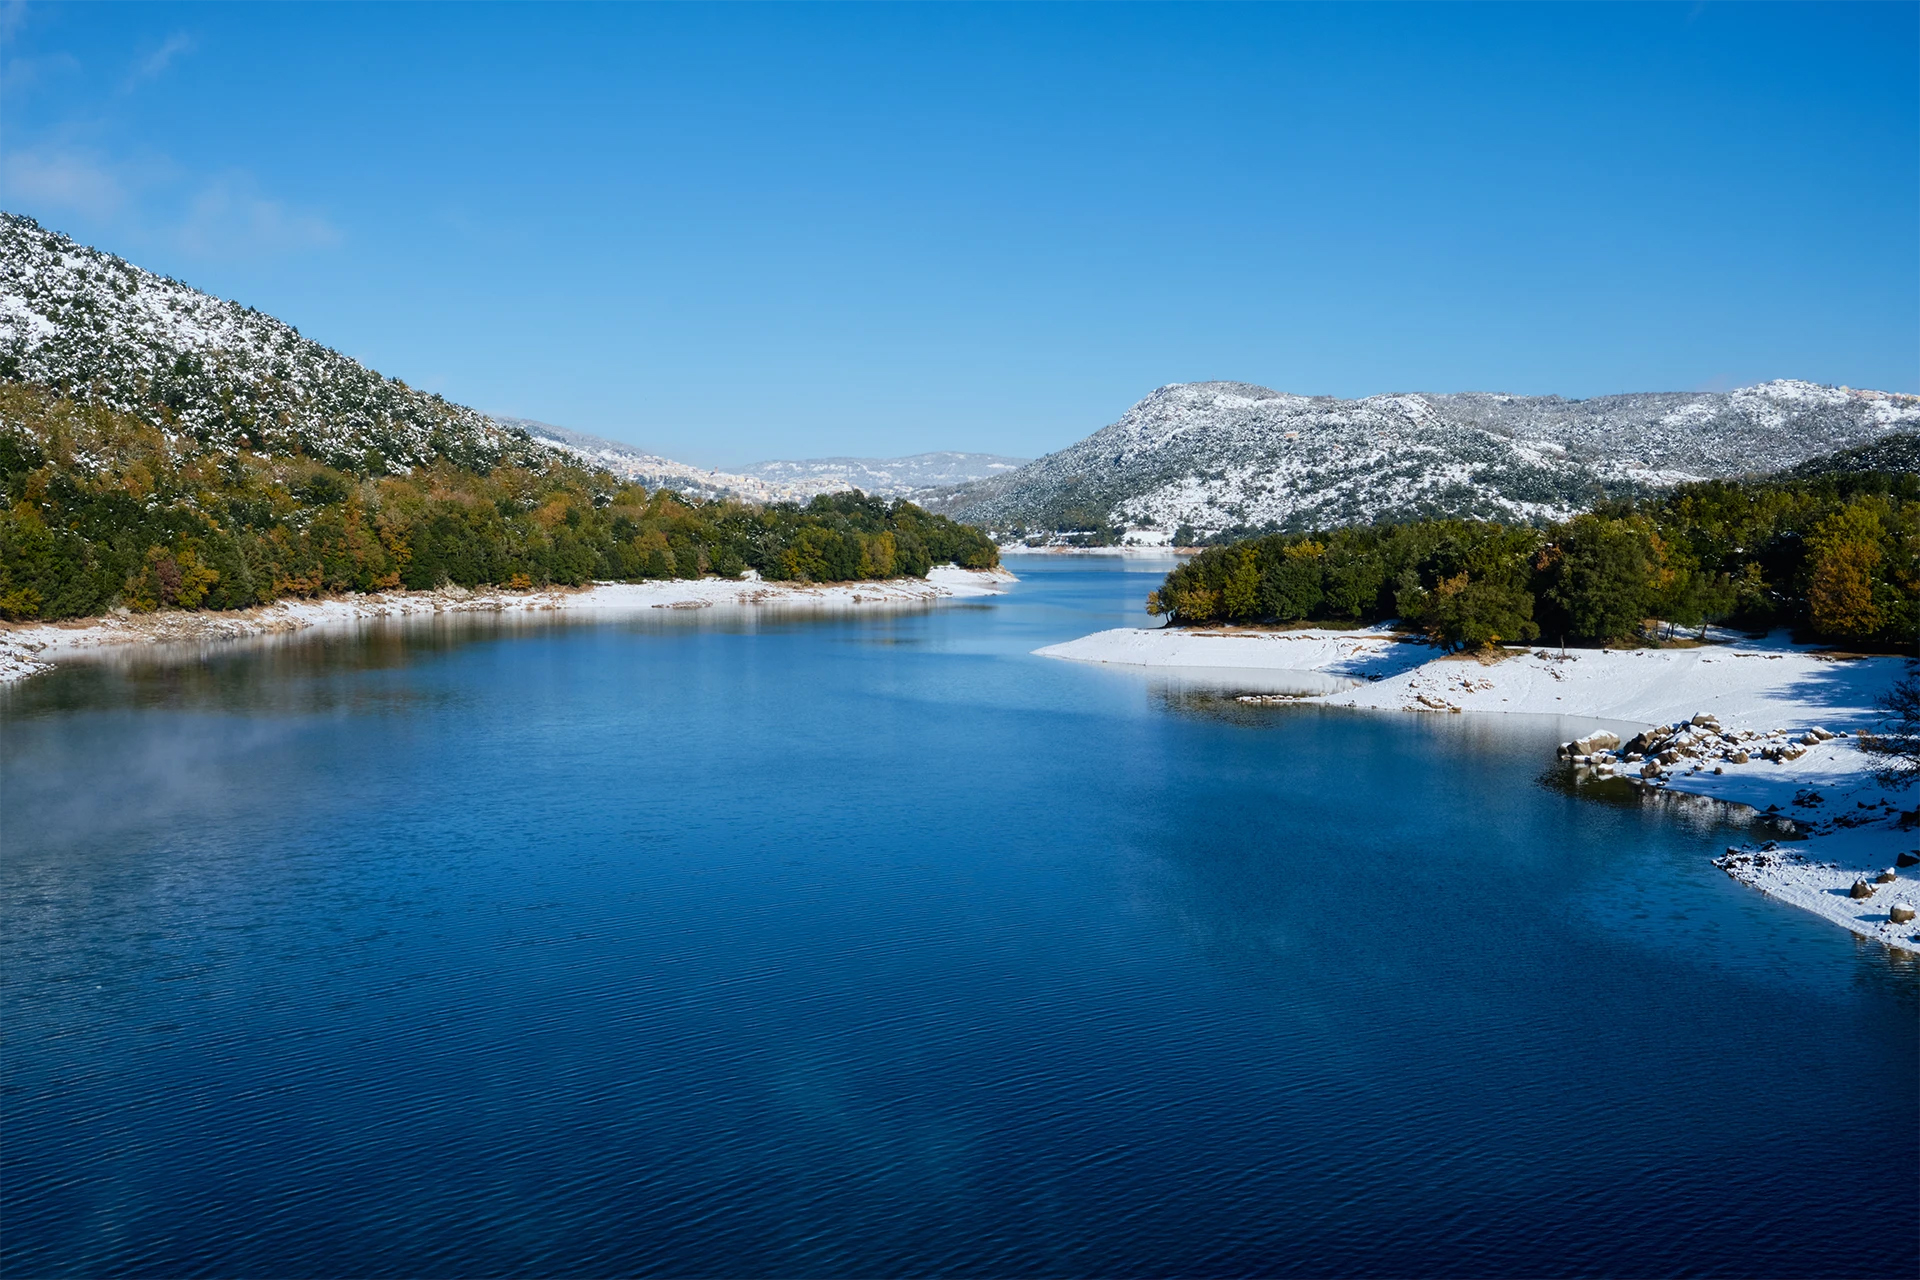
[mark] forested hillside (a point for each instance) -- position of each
(102, 508)
(160, 447)
(1894, 453)
(1836, 556)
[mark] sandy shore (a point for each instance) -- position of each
(1766, 698)
(27, 648)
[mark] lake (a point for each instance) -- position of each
(711, 944)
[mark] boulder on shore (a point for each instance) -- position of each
(1861, 889)
(1598, 741)
(1900, 913)
(1886, 877)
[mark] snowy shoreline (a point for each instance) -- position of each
(1769, 702)
(1131, 551)
(29, 648)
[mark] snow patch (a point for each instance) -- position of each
(29, 648)
(1767, 724)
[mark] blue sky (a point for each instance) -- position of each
(738, 232)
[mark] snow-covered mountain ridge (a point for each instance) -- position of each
(795, 480)
(107, 332)
(885, 477)
(650, 469)
(1226, 455)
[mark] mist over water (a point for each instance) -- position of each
(872, 945)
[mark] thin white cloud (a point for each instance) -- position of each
(142, 200)
(18, 75)
(64, 180)
(155, 64)
(229, 214)
(222, 216)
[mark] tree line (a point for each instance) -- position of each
(1837, 557)
(102, 509)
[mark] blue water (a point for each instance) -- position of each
(700, 945)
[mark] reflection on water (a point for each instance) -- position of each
(1201, 685)
(864, 945)
(272, 666)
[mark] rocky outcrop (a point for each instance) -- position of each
(1593, 742)
(1698, 742)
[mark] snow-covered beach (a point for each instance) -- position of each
(28, 648)
(1765, 699)
(1129, 551)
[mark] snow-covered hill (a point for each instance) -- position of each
(107, 332)
(885, 477)
(1223, 455)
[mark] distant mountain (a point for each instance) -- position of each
(1229, 455)
(885, 477)
(104, 331)
(778, 481)
(650, 469)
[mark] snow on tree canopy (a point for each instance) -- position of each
(103, 331)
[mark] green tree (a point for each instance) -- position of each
(1598, 578)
